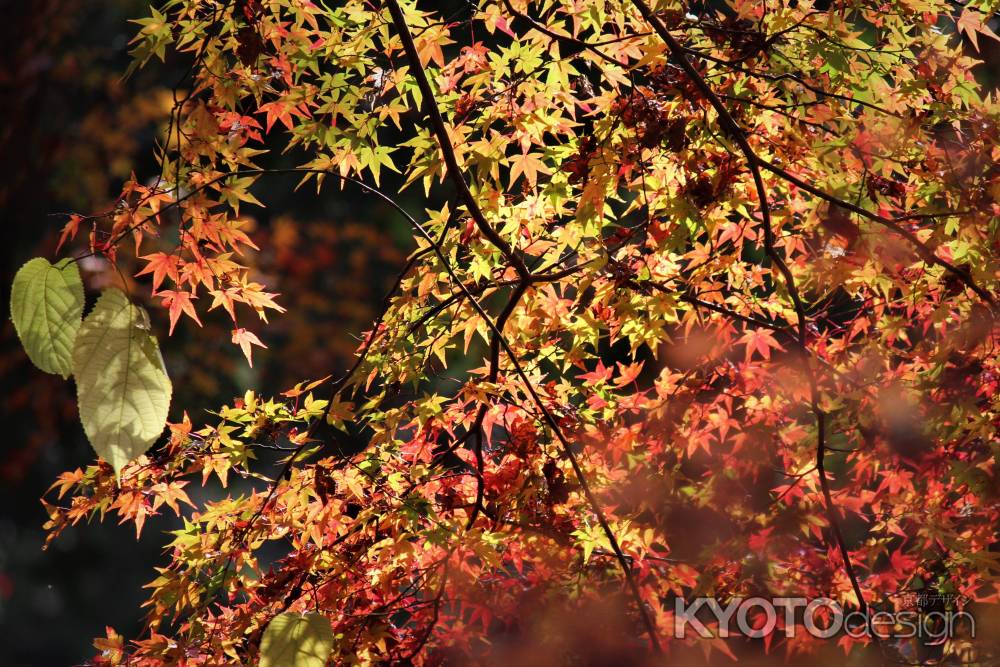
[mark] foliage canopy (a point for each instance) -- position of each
(709, 309)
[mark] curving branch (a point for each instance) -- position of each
(926, 252)
(732, 128)
(447, 150)
(499, 341)
(547, 415)
(515, 298)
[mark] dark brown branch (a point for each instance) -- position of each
(547, 416)
(732, 128)
(564, 38)
(494, 373)
(456, 176)
(441, 132)
(925, 252)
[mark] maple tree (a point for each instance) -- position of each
(709, 309)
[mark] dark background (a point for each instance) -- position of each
(72, 130)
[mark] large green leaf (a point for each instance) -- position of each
(46, 304)
(296, 640)
(122, 387)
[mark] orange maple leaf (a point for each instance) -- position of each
(179, 302)
(253, 295)
(761, 341)
(245, 339)
(283, 111)
(69, 230)
(225, 298)
(972, 24)
(161, 265)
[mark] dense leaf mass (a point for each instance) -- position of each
(709, 310)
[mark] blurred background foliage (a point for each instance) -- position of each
(73, 130)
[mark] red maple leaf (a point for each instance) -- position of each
(179, 302)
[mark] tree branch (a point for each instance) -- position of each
(441, 132)
(732, 128)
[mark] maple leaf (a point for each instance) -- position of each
(280, 110)
(171, 494)
(69, 230)
(601, 373)
(162, 266)
(971, 23)
(111, 646)
(253, 294)
(528, 164)
(760, 341)
(180, 431)
(178, 302)
(339, 412)
(245, 339)
(226, 299)
(66, 481)
(628, 373)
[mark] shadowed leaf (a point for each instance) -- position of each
(46, 304)
(296, 640)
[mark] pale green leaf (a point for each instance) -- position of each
(296, 640)
(122, 387)
(46, 304)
